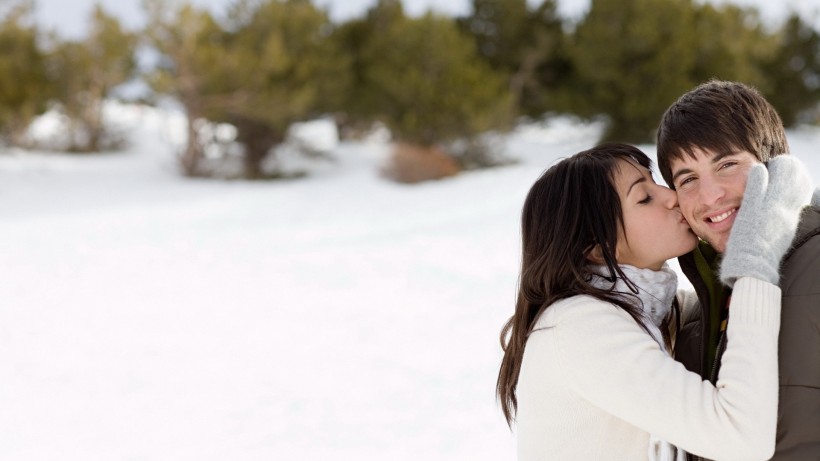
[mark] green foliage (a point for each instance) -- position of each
(279, 53)
(189, 42)
(85, 73)
(360, 105)
(24, 84)
(430, 84)
(731, 44)
(192, 50)
(421, 76)
(794, 71)
(502, 30)
(634, 57)
(433, 80)
(270, 64)
(527, 45)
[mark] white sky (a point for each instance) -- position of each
(68, 17)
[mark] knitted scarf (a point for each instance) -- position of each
(656, 292)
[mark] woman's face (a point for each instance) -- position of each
(654, 228)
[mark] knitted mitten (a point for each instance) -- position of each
(767, 220)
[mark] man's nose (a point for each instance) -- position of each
(711, 191)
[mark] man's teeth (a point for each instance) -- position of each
(723, 216)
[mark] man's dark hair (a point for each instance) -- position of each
(719, 116)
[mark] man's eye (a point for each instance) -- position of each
(685, 181)
(728, 164)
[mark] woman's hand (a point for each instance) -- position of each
(767, 220)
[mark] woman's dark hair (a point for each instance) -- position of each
(570, 209)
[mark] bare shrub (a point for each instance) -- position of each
(479, 152)
(411, 164)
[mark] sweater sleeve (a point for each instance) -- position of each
(615, 365)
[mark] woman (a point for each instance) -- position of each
(596, 380)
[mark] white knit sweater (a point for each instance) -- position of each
(594, 385)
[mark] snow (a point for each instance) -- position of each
(144, 316)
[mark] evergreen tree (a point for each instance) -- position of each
(502, 30)
(430, 83)
(360, 106)
(633, 58)
(548, 71)
(285, 68)
(25, 87)
(794, 71)
(731, 44)
(86, 72)
(527, 45)
(270, 64)
(192, 50)
(356, 106)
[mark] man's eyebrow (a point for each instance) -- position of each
(681, 173)
(717, 158)
(638, 181)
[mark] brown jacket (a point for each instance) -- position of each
(798, 423)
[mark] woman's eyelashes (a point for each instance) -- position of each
(648, 199)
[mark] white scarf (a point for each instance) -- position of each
(656, 291)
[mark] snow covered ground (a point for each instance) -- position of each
(144, 316)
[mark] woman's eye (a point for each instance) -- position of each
(646, 200)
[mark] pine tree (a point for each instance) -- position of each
(361, 105)
(548, 71)
(527, 45)
(192, 53)
(502, 30)
(285, 69)
(731, 44)
(430, 83)
(269, 65)
(633, 59)
(25, 87)
(86, 72)
(794, 71)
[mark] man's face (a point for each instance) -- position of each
(710, 190)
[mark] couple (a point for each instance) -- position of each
(588, 371)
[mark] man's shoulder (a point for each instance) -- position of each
(809, 220)
(808, 228)
(801, 267)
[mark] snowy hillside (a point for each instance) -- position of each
(144, 316)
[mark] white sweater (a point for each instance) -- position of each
(594, 385)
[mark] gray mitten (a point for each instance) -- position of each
(767, 220)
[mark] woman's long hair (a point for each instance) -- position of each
(570, 209)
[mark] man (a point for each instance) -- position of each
(707, 142)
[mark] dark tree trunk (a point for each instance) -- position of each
(191, 157)
(258, 139)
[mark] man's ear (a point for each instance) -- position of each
(595, 255)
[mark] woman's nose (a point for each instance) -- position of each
(669, 197)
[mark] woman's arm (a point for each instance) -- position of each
(614, 364)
